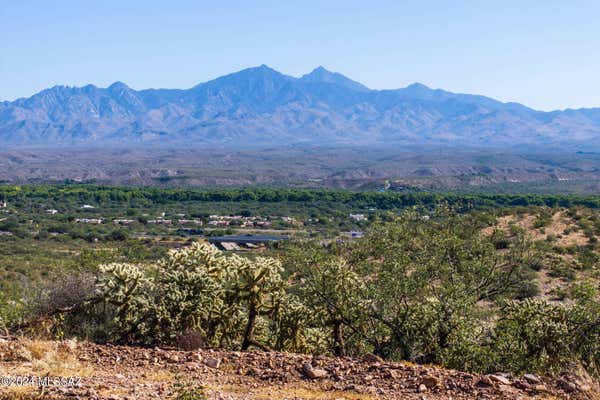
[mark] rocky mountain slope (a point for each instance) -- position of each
(119, 373)
(262, 107)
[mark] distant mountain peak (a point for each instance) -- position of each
(118, 85)
(322, 75)
(418, 86)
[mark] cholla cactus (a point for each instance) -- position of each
(190, 294)
(197, 288)
(257, 284)
(125, 287)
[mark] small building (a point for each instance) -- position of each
(3, 204)
(247, 241)
(353, 234)
(358, 217)
(189, 222)
(51, 211)
(219, 223)
(160, 221)
(87, 207)
(123, 221)
(94, 221)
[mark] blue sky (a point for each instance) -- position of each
(545, 54)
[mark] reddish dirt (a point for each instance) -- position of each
(118, 372)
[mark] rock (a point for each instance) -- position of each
(540, 388)
(430, 381)
(523, 385)
(391, 374)
(422, 388)
(568, 387)
(499, 379)
(531, 378)
(485, 381)
(173, 358)
(313, 373)
(372, 358)
(214, 363)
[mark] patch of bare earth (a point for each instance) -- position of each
(118, 372)
(561, 227)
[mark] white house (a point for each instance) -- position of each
(358, 217)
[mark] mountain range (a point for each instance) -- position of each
(263, 107)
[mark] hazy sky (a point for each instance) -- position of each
(545, 54)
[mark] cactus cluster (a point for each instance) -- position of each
(197, 288)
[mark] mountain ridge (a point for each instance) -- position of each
(261, 106)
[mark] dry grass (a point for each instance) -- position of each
(55, 359)
(273, 392)
(19, 393)
(154, 376)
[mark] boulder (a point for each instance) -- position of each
(531, 378)
(313, 373)
(499, 379)
(213, 363)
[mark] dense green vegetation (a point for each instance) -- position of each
(385, 200)
(424, 284)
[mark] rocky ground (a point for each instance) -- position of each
(115, 372)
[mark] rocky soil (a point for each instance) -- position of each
(119, 373)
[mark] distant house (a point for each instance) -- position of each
(248, 241)
(87, 207)
(358, 217)
(51, 211)
(189, 222)
(94, 221)
(160, 221)
(123, 221)
(218, 223)
(353, 234)
(3, 204)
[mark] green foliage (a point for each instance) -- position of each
(188, 390)
(424, 284)
(534, 335)
(197, 288)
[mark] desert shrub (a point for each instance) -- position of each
(534, 335)
(335, 294)
(185, 390)
(543, 219)
(500, 240)
(425, 279)
(191, 340)
(561, 270)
